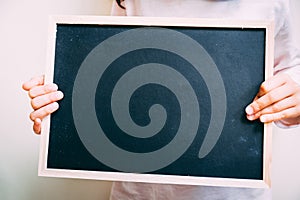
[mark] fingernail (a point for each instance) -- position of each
(59, 95)
(53, 87)
(38, 121)
(263, 119)
(249, 110)
(54, 106)
(250, 117)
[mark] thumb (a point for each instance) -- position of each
(37, 125)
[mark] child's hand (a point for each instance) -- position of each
(43, 100)
(278, 99)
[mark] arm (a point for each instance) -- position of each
(278, 99)
(44, 97)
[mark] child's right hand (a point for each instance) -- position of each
(43, 100)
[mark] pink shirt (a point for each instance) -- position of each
(287, 60)
(287, 57)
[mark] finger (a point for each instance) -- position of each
(41, 90)
(279, 106)
(275, 108)
(41, 101)
(270, 98)
(285, 114)
(37, 125)
(44, 111)
(39, 80)
(271, 84)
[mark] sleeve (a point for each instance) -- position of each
(286, 55)
(116, 10)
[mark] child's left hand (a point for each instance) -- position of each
(277, 99)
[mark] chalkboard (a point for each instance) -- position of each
(157, 100)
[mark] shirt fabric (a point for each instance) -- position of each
(286, 60)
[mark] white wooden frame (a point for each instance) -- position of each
(151, 178)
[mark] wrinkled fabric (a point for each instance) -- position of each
(147, 191)
(286, 60)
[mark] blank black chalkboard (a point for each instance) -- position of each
(152, 97)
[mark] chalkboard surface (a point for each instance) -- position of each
(158, 100)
